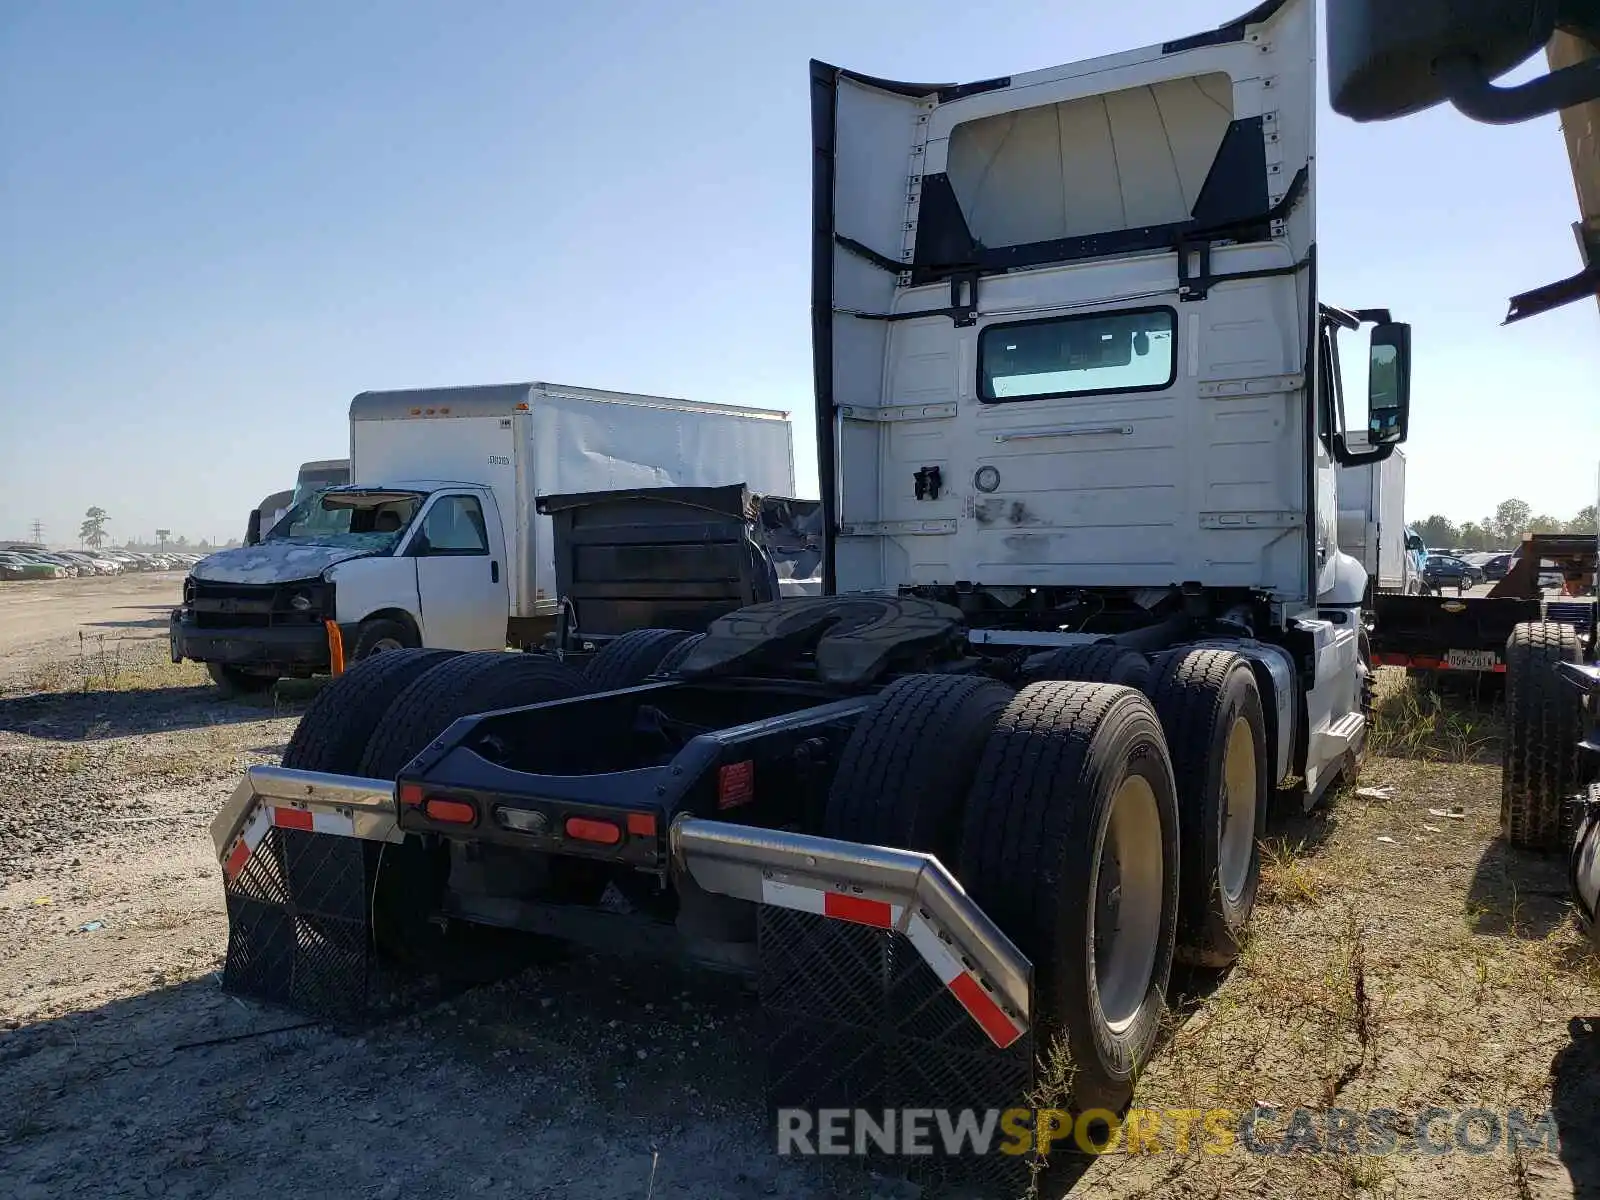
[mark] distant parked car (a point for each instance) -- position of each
(32, 566)
(1496, 567)
(92, 564)
(1446, 570)
(66, 564)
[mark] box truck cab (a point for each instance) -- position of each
(438, 541)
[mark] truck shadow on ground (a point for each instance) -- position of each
(156, 620)
(1575, 1104)
(1518, 893)
(582, 1079)
(92, 715)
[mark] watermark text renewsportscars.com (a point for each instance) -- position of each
(1259, 1130)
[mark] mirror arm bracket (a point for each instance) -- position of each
(1349, 458)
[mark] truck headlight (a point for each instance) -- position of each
(301, 602)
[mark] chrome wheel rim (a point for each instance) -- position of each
(1238, 835)
(1126, 903)
(382, 644)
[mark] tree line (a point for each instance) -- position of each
(1502, 530)
(92, 532)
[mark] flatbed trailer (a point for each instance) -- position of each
(1443, 633)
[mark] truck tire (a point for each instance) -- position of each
(1104, 662)
(678, 654)
(1070, 843)
(908, 764)
(236, 681)
(1544, 725)
(380, 637)
(631, 658)
(1210, 710)
(466, 684)
(335, 730)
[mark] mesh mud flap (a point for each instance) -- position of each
(856, 1019)
(298, 924)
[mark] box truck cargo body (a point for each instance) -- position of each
(1372, 524)
(527, 440)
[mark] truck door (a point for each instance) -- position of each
(459, 549)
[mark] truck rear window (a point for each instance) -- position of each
(1129, 351)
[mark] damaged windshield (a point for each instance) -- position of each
(362, 520)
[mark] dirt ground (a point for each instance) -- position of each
(40, 621)
(1400, 959)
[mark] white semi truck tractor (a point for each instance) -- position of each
(1085, 620)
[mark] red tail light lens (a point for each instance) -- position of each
(449, 812)
(584, 830)
(642, 824)
(410, 795)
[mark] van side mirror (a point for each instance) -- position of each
(1388, 383)
(252, 529)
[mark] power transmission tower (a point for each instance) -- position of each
(38, 532)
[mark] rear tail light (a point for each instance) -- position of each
(642, 824)
(450, 812)
(584, 830)
(410, 795)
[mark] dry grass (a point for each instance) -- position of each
(1420, 722)
(111, 664)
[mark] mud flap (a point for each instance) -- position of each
(299, 854)
(856, 1018)
(298, 932)
(884, 988)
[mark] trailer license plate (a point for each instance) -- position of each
(1471, 660)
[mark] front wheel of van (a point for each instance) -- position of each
(377, 636)
(236, 681)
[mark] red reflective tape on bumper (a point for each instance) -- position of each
(293, 818)
(854, 908)
(237, 857)
(1002, 1032)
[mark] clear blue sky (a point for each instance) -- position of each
(220, 221)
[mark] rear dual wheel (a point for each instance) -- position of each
(910, 760)
(1070, 843)
(412, 876)
(633, 658)
(1056, 808)
(1081, 808)
(1211, 713)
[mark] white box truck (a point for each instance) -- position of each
(436, 542)
(1372, 525)
(313, 476)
